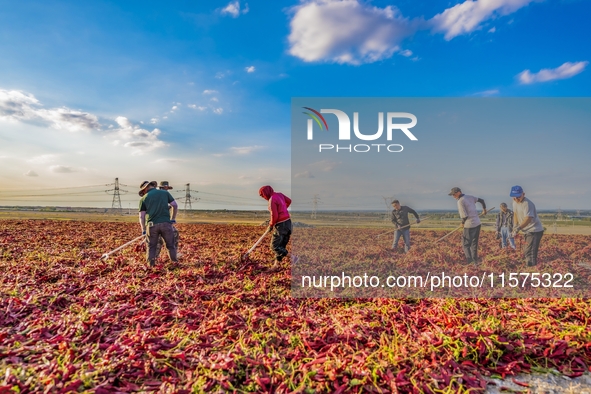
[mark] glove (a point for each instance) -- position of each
(144, 232)
(173, 221)
(418, 220)
(515, 231)
(270, 229)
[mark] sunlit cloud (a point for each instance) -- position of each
(18, 106)
(62, 169)
(234, 10)
(346, 32)
(43, 159)
(567, 70)
(131, 136)
(468, 16)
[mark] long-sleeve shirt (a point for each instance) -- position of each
(400, 216)
(505, 219)
(278, 204)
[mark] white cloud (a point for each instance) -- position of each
(138, 139)
(406, 53)
(567, 70)
(30, 173)
(233, 9)
(209, 91)
(20, 106)
(305, 174)
(487, 93)
(170, 160)
(62, 169)
(174, 108)
(43, 159)
(346, 31)
(214, 99)
(218, 111)
(466, 17)
(325, 165)
(245, 150)
(197, 107)
(492, 30)
(249, 69)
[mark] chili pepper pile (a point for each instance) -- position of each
(72, 322)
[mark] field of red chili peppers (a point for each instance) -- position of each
(70, 322)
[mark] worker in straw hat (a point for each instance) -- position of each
(164, 185)
(156, 220)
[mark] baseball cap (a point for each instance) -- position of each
(516, 191)
(454, 190)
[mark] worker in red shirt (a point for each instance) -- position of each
(280, 221)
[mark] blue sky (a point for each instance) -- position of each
(200, 92)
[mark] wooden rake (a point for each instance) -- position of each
(391, 231)
(460, 226)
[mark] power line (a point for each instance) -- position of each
(54, 195)
(225, 195)
(50, 188)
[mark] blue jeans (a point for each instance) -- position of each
(506, 234)
(405, 233)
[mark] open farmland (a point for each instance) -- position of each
(71, 322)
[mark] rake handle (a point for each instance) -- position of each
(460, 226)
(258, 242)
(121, 247)
(391, 231)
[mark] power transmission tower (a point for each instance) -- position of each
(559, 216)
(116, 205)
(187, 197)
(315, 201)
(388, 202)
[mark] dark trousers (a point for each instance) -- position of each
(280, 238)
(161, 242)
(166, 231)
(532, 244)
(470, 243)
